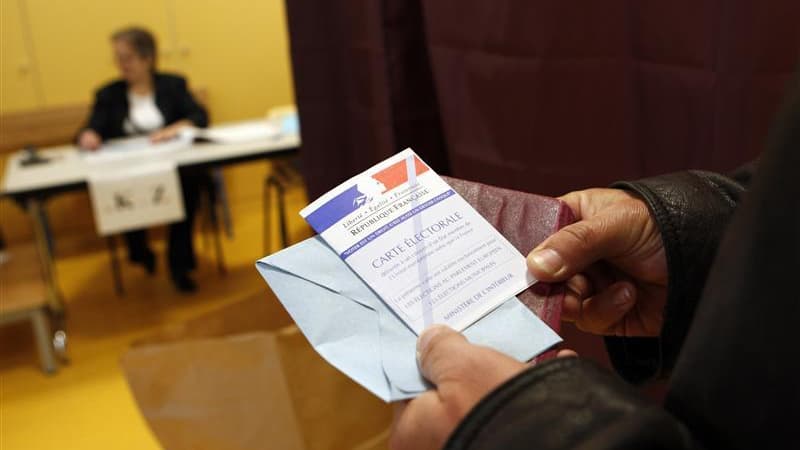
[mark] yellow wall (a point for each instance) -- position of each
(235, 49)
(18, 84)
(241, 44)
(57, 52)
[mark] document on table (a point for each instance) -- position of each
(240, 132)
(419, 245)
(138, 147)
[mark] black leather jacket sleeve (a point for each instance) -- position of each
(571, 403)
(577, 406)
(691, 210)
(100, 119)
(186, 106)
(734, 384)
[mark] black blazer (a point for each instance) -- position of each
(172, 98)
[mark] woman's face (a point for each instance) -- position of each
(132, 66)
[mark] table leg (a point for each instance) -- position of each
(36, 212)
(281, 191)
(41, 331)
(217, 241)
(55, 302)
(273, 183)
(116, 270)
(267, 207)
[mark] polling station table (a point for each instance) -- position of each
(67, 170)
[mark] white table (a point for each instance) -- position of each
(68, 170)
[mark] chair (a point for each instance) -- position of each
(23, 296)
(284, 174)
(214, 208)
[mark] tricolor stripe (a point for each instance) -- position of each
(396, 174)
(345, 203)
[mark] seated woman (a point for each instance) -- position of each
(145, 101)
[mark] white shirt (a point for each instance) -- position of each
(143, 114)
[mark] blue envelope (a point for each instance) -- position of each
(358, 334)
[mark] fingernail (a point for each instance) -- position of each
(623, 297)
(426, 336)
(547, 260)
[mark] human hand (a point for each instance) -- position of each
(89, 140)
(171, 131)
(463, 374)
(166, 133)
(613, 261)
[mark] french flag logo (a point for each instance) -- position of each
(365, 190)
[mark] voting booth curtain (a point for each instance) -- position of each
(540, 96)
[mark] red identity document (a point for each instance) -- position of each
(525, 220)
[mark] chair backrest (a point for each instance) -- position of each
(23, 286)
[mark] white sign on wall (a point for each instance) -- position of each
(125, 199)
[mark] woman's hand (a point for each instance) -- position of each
(463, 374)
(613, 261)
(89, 140)
(169, 132)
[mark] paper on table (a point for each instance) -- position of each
(241, 132)
(138, 147)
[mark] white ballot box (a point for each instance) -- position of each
(130, 198)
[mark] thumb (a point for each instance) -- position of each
(439, 352)
(575, 247)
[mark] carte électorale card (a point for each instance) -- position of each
(418, 244)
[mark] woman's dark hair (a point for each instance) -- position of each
(142, 41)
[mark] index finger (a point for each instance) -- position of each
(588, 202)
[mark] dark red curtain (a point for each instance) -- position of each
(557, 95)
(545, 96)
(363, 87)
